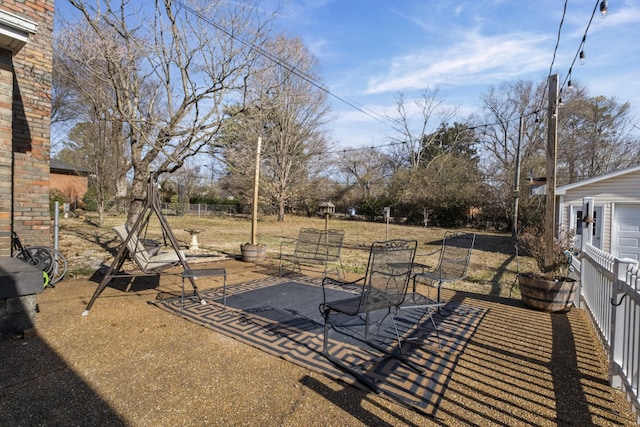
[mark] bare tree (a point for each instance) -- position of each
(89, 145)
(498, 137)
(595, 136)
(83, 100)
(365, 171)
(235, 147)
(416, 127)
(498, 140)
(288, 110)
(296, 111)
(187, 177)
(172, 67)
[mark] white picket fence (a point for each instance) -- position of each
(610, 292)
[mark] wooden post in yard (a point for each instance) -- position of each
(516, 185)
(254, 209)
(552, 150)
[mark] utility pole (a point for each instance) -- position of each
(516, 189)
(552, 151)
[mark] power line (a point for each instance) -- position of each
(602, 4)
(580, 51)
(373, 114)
(310, 79)
(555, 52)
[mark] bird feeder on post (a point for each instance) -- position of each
(327, 209)
(386, 212)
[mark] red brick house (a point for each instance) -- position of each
(70, 180)
(25, 114)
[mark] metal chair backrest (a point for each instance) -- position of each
(455, 255)
(333, 240)
(388, 273)
(319, 244)
(308, 242)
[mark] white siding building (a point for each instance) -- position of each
(616, 203)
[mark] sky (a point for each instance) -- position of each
(372, 50)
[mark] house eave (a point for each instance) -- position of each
(562, 191)
(15, 31)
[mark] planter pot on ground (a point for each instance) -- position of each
(253, 253)
(551, 295)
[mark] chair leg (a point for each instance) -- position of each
(398, 356)
(435, 327)
(366, 327)
(395, 327)
(325, 340)
(433, 322)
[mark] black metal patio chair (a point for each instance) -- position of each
(453, 262)
(383, 287)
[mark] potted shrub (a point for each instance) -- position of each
(551, 291)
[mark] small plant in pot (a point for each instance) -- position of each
(551, 291)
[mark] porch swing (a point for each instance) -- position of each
(148, 262)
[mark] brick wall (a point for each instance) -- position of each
(27, 188)
(6, 100)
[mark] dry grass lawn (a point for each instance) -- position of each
(493, 265)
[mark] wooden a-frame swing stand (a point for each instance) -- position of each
(151, 206)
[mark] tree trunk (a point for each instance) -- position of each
(281, 210)
(121, 187)
(138, 196)
(100, 208)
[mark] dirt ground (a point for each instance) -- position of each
(130, 364)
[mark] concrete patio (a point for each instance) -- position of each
(129, 363)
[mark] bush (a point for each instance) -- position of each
(178, 207)
(531, 241)
(55, 195)
(90, 200)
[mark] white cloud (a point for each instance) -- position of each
(476, 60)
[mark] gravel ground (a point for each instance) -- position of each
(128, 363)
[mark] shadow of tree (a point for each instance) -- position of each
(39, 388)
(571, 404)
(496, 243)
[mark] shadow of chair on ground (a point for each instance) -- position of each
(352, 403)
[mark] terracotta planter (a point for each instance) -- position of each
(551, 295)
(253, 253)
